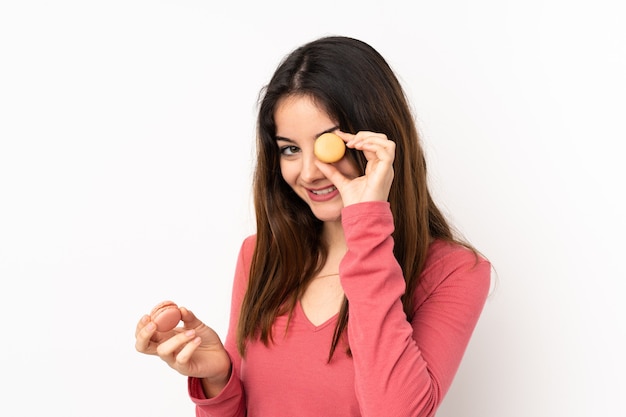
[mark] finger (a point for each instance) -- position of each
(376, 148)
(364, 135)
(170, 347)
(189, 318)
(346, 137)
(184, 356)
(372, 139)
(370, 143)
(143, 339)
(333, 174)
(145, 319)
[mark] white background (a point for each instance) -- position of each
(126, 153)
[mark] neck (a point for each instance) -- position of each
(333, 236)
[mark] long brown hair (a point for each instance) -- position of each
(358, 90)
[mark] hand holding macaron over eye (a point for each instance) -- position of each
(166, 316)
(329, 148)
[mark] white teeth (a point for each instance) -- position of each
(322, 192)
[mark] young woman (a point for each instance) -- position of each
(354, 297)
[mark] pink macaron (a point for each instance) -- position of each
(165, 315)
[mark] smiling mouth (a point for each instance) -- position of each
(324, 191)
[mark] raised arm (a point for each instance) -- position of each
(401, 368)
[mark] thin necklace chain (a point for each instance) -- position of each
(325, 276)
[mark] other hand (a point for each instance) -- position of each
(193, 350)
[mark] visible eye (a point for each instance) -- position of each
(289, 150)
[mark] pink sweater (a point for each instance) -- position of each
(398, 368)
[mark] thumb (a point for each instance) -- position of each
(189, 318)
(333, 174)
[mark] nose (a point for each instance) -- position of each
(309, 172)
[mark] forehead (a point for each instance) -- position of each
(300, 117)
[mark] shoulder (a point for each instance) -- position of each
(247, 246)
(442, 252)
(244, 260)
(246, 251)
(453, 265)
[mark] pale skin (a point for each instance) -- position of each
(195, 349)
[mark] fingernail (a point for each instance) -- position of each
(190, 333)
(151, 326)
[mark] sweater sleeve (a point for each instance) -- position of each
(405, 368)
(231, 402)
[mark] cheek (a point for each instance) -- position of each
(288, 172)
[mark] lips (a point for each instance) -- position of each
(323, 194)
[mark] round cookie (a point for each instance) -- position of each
(329, 148)
(165, 315)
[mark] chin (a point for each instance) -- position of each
(328, 216)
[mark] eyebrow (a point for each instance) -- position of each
(277, 138)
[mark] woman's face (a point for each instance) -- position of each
(299, 121)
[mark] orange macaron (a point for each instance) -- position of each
(329, 148)
(165, 315)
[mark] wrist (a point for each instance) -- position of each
(213, 386)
